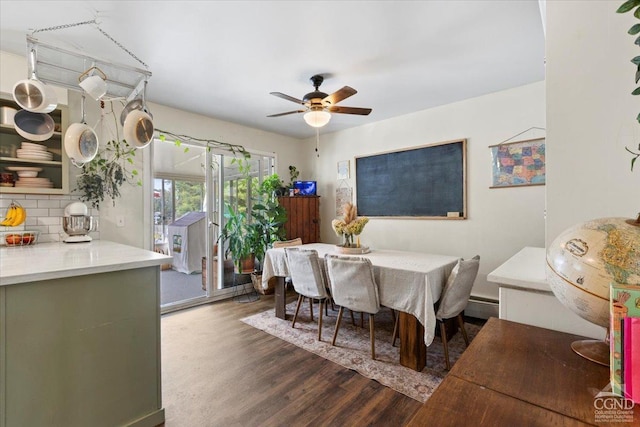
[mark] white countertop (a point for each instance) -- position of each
(526, 270)
(44, 261)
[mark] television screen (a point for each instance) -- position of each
(304, 188)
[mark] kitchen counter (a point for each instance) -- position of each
(524, 270)
(80, 335)
(44, 261)
(526, 297)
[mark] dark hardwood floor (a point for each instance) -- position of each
(255, 379)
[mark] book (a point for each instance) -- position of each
(624, 302)
(631, 358)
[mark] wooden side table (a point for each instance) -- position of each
(517, 374)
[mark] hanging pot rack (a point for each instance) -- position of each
(61, 67)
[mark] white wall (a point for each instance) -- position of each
(500, 221)
(590, 114)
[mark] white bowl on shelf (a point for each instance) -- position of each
(27, 174)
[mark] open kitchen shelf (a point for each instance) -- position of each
(57, 169)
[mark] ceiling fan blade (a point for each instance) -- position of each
(350, 110)
(288, 112)
(287, 97)
(339, 95)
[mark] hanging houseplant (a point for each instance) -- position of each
(108, 171)
(634, 31)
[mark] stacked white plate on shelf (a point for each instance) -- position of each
(34, 182)
(28, 177)
(33, 151)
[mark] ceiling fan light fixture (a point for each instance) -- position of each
(317, 118)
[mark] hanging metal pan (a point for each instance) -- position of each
(34, 126)
(133, 105)
(138, 128)
(80, 142)
(136, 104)
(32, 94)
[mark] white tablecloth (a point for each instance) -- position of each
(408, 281)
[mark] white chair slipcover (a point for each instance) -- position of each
(455, 297)
(353, 286)
(308, 279)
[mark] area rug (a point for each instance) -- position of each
(353, 348)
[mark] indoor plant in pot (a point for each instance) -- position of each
(267, 224)
(240, 239)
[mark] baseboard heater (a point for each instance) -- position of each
(482, 308)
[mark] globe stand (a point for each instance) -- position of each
(594, 350)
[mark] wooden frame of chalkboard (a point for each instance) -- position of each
(423, 182)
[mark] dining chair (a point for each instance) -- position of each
(307, 276)
(455, 297)
(353, 286)
(283, 244)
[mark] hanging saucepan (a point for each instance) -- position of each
(138, 129)
(137, 122)
(34, 126)
(135, 104)
(80, 142)
(32, 94)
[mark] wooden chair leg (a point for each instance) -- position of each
(295, 316)
(361, 319)
(443, 335)
(395, 329)
(353, 321)
(311, 308)
(320, 320)
(373, 336)
(462, 329)
(335, 332)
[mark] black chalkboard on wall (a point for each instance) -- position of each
(426, 182)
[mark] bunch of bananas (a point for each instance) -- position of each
(15, 215)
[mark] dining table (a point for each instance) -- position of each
(408, 282)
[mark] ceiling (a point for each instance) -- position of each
(222, 58)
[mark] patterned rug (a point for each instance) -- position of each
(353, 348)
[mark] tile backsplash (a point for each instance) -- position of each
(44, 214)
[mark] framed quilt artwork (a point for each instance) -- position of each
(518, 163)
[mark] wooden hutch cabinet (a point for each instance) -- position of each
(303, 217)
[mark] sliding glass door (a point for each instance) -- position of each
(192, 187)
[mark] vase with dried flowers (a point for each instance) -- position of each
(351, 225)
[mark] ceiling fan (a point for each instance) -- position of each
(319, 105)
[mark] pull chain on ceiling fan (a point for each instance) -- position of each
(319, 105)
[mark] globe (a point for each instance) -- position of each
(585, 259)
